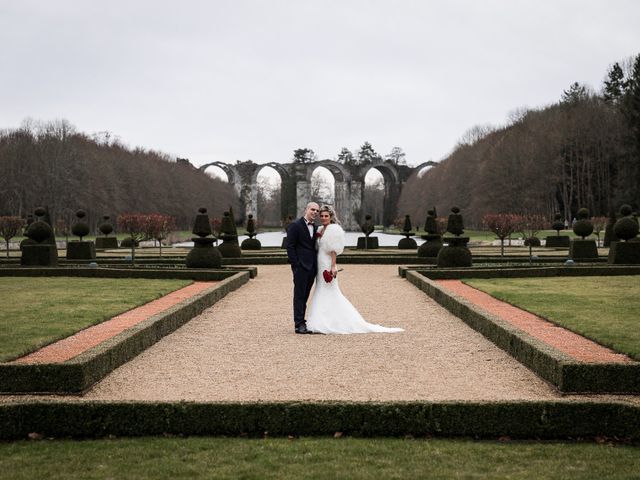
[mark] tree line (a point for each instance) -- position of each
(583, 151)
(51, 164)
(366, 154)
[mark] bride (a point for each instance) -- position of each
(330, 311)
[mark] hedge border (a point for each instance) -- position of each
(148, 273)
(547, 419)
(554, 366)
(78, 374)
(520, 272)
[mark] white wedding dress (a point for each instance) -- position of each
(330, 311)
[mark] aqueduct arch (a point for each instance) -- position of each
(296, 186)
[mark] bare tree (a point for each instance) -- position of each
(9, 228)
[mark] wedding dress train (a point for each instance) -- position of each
(330, 311)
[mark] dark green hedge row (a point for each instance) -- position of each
(521, 272)
(565, 373)
(483, 420)
(78, 374)
(138, 272)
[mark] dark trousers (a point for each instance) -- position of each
(302, 283)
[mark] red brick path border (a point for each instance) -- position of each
(566, 341)
(72, 346)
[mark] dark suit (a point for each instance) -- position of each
(301, 250)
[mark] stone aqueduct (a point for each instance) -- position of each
(296, 186)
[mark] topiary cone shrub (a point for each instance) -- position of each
(432, 239)
(229, 236)
(455, 224)
(626, 250)
(251, 243)
(203, 254)
(407, 243)
(456, 253)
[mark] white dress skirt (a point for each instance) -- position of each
(330, 311)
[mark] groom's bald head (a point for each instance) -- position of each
(311, 212)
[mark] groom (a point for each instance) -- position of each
(301, 250)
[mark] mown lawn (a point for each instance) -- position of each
(37, 311)
(314, 458)
(604, 309)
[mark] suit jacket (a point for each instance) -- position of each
(301, 248)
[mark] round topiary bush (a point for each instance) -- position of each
(454, 257)
(80, 228)
(430, 248)
(626, 227)
(407, 243)
(204, 258)
(106, 228)
(39, 231)
(583, 226)
(626, 210)
(251, 244)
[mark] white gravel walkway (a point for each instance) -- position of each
(244, 349)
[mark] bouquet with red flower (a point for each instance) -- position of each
(328, 276)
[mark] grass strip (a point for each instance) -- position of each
(603, 309)
(38, 311)
(314, 458)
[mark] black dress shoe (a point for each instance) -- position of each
(303, 329)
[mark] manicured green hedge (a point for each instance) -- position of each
(137, 272)
(78, 374)
(521, 272)
(487, 420)
(564, 372)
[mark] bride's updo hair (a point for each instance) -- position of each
(332, 213)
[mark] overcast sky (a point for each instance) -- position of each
(237, 80)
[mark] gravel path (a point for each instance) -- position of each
(244, 349)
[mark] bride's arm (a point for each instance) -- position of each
(334, 268)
